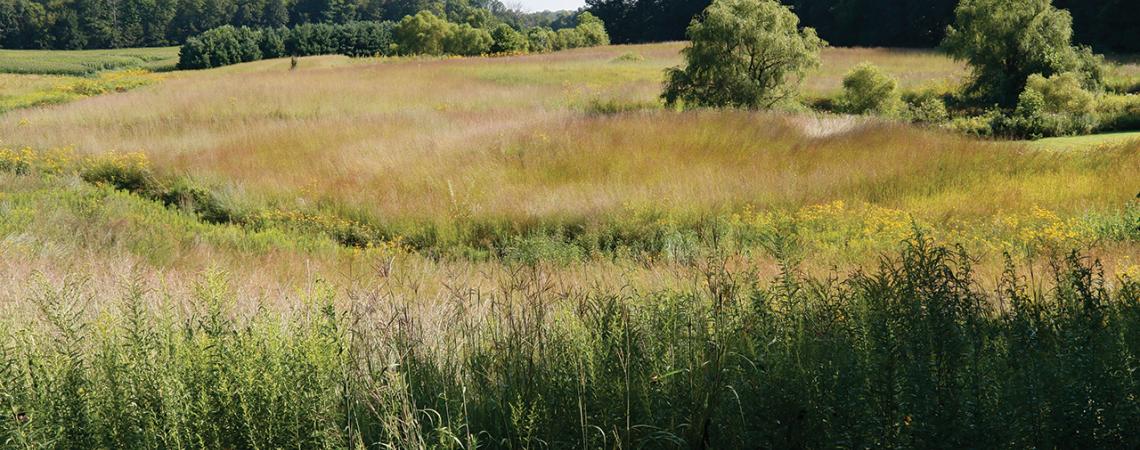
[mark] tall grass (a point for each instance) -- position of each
(910, 354)
(393, 135)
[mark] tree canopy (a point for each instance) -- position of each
(74, 24)
(1112, 25)
(1006, 41)
(744, 53)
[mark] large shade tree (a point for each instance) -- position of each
(745, 54)
(1006, 41)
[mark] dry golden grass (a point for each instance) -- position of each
(508, 137)
(441, 141)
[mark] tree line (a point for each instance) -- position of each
(422, 34)
(1108, 26)
(78, 24)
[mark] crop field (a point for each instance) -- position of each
(86, 62)
(534, 252)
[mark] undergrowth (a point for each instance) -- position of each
(911, 353)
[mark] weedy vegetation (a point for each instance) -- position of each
(538, 250)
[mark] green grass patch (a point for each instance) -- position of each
(1086, 142)
(86, 62)
(52, 90)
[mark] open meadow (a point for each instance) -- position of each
(462, 156)
(533, 252)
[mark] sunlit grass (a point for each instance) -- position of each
(28, 91)
(482, 152)
(1086, 142)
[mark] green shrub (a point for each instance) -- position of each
(422, 34)
(1123, 85)
(1062, 93)
(868, 90)
(977, 125)
(541, 39)
(187, 196)
(466, 40)
(568, 38)
(129, 172)
(592, 30)
(508, 40)
(926, 110)
(628, 57)
(1054, 106)
(1119, 112)
(612, 106)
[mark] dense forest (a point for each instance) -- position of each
(1107, 25)
(75, 24)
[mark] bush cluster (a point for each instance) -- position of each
(1053, 106)
(868, 90)
(421, 34)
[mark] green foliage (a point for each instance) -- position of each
(220, 47)
(466, 40)
(272, 42)
(312, 39)
(227, 45)
(1054, 106)
(910, 354)
(363, 39)
(422, 34)
(568, 38)
(592, 29)
(1119, 112)
(926, 108)
(508, 40)
(125, 172)
(744, 53)
(868, 90)
(541, 40)
(1062, 93)
(1006, 41)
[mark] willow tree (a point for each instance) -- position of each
(1006, 41)
(745, 54)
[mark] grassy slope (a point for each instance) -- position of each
(512, 137)
(505, 137)
(1086, 142)
(476, 144)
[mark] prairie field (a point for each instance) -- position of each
(533, 252)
